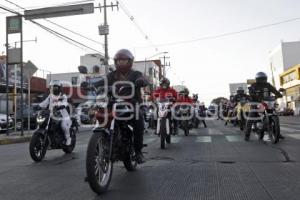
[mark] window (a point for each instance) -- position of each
(150, 71)
(74, 80)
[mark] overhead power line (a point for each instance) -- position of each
(60, 26)
(224, 34)
(133, 20)
(59, 35)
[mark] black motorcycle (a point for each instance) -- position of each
(267, 120)
(185, 118)
(49, 135)
(111, 141)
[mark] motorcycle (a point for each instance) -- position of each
(195, 119)
(112, 140)
(49, 135)
(184, 113)
(164, 125)
(268, 120)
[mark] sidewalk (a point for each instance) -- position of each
(15, 137)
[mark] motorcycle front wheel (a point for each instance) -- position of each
(99, 167)
(37, 148)
(162, 133)
(274, 131)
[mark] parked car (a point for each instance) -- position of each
(4, 124)
(211, 110)
(32, 111)
(286, 112)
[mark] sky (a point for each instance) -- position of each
(205, 66)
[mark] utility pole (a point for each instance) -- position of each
(166, 64)
(104, 29)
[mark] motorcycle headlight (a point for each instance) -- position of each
(40, 120)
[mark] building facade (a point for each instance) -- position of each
(234, 86)
(290, 81)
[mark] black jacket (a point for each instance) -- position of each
(260, 91)
(131, 76)
(241, 97)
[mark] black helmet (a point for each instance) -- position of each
(185, 92)
(195, 97)
(164, 83)
(123, 54)
(240, 90)
(56, 87)
(261, 77)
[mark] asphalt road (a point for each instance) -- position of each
(212, 163)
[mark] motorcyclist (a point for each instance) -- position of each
(202, 110)
(183, 96)
(165, 91)
(58, 100)
(230, 110)
(123, 60)
(240, 100)
(258, 91)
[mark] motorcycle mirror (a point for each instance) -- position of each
(82, 69)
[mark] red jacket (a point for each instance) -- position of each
(183, 99)
(164, 93)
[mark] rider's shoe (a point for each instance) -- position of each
(68, 141)
(281, 137)
(139, 157)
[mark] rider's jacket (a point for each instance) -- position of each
(131, 76)
(164, 93)
(241, 98)
(259, 91)
(56, 100)
(184, 99)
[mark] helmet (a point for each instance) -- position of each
(240, 90)
(56, 87)
(185, 92)
(123, 60)
(202, 104)
(261, 77)
(195, 97)
(164, 83)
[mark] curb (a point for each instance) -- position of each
(15, 140)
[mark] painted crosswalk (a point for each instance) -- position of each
(210, 138)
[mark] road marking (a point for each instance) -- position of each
(214, 132)
(175, 139)
(206, 139)
(290, 130)
(150, 140)
(295, 136)
(234, 138)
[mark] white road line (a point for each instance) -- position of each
(290, 130)
(214, 132)
(175, 139)
(203, 139)
(150, 140)
(295, 136)
(234, 138)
